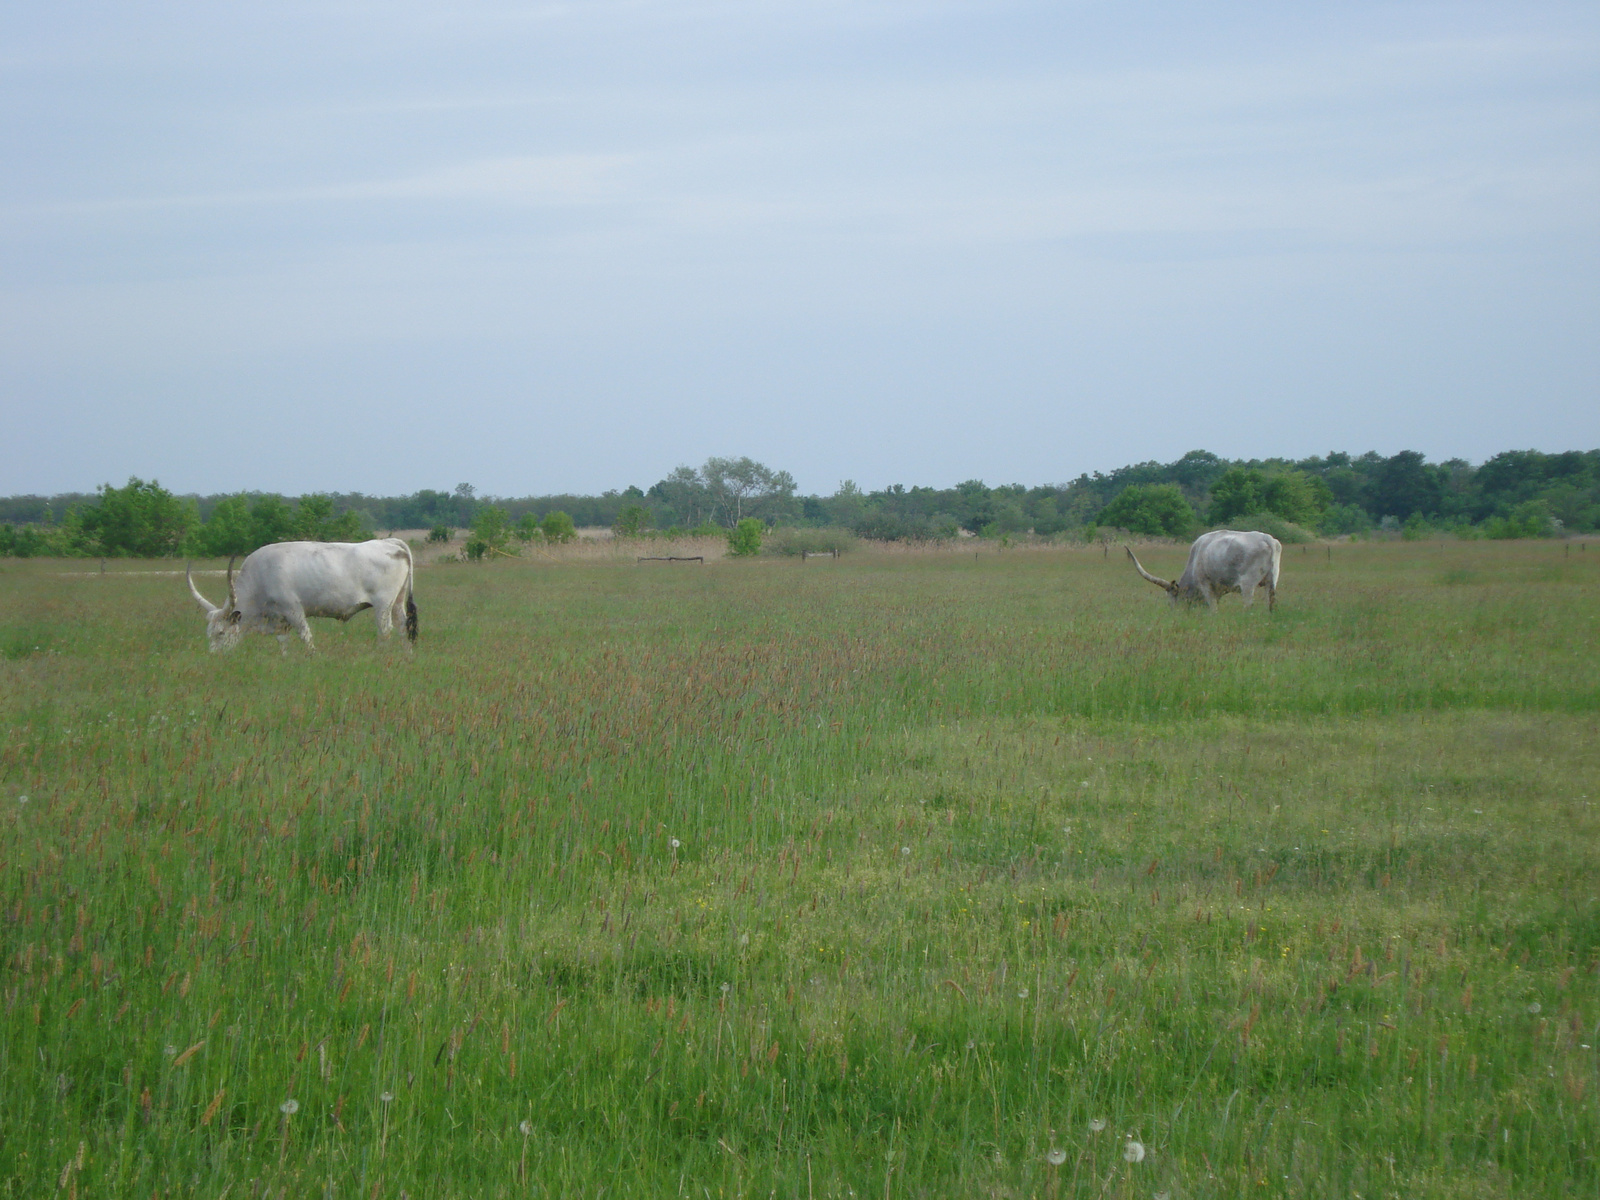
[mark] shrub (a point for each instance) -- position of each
(440, 534)
(826, 540)
(1153, 509)
(32, 541)
(883, 526)
(632, 521)
(1286, 532)
(489, 527)
(744, 539)
(558, 528)
(1291, 495)
(1531, 519)
(141, 520)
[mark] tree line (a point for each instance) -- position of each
(1518, 493)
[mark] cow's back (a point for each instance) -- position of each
(1226, 557)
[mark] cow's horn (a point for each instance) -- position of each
(188, 573)
(1155, 579)
(232, 602)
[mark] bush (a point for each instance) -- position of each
(1415, 529)
(744, 539)
(1338, 519)
(440, 534)
(489, 529)
(1530, 519)
(1153, 509)
(632, 521)
(32, 541)
(558, 528)
(880, 526)
(826, 540)
(140, 520)
(1286, 532)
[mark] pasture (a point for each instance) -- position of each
(897, 875)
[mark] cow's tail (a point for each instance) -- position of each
(1272, 578)
(411, 604)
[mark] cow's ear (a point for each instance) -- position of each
(233, 617)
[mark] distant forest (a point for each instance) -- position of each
(1519, 493)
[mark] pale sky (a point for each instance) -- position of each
(567, 247)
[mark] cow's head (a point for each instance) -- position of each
(1175, 589)
(222, 624)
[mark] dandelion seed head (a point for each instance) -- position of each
(1096, 1125)
(1163, 1196)
(1056, 1157)
(905, 851)
(22, 799)
(289, 1107)
(726, 988)
(385, 1097)
(1133, 1152)
(1535, 1009)
(526, 1127)
(971, 1045)
(169, 1050)
(675, 843)
(1022, 993)
(744, 939)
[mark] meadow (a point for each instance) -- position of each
(956, 873)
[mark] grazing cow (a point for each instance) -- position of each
(1224, 561)
(280, 585)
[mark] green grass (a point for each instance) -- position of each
(971, 852)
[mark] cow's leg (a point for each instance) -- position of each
(1272, 593)
(1247, 592)
(297, 621)
(384, 615)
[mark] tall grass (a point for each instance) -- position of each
(884, 874)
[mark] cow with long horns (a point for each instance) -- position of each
(280, 585)
(1220, 562)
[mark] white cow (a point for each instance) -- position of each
(280, 585)
(1224, 561)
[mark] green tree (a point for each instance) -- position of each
(142, 520)
(271, 520)
(1236, 493)
(632, 520)
(557, 528)
(1153, 509)
(739, 486)
(1296, 497)
(314, 521)
(229, 531)
(491, 528)
(1405, 484)
(744, 539)
(1292, 495)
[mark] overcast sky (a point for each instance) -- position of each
(567, 247)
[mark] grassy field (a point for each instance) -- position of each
(909, 875)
